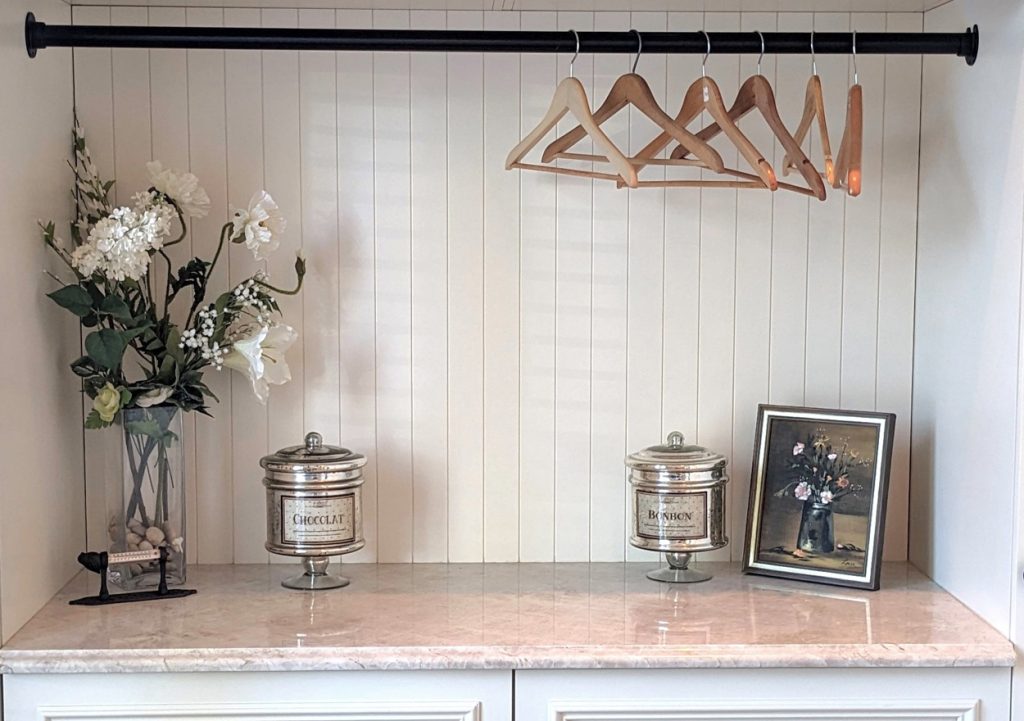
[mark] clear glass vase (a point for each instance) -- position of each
(146, 505)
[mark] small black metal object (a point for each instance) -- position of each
(40, 35)
(98, 563)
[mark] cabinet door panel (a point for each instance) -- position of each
(274, 696)
(819, 694)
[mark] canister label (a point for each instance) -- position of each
(672, 516)
(314, 521)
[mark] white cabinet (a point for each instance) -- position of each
(819, 694)
(278, 696)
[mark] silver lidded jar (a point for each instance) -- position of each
(314, 508)
(678, 502)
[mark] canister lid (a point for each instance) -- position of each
(313, 453)
(675, 455)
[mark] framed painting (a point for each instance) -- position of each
(817, 495)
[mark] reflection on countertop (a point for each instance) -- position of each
(522, 616)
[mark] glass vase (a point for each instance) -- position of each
(816, 531)
(146, 508)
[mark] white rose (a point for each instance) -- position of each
(802, 491)
(154, 397)
(107, 403)
(798, 449)
(826, 497)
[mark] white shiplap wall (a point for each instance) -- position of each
(495, 342)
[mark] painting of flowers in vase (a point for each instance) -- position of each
(818, 492)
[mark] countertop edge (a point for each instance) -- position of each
(506, 658)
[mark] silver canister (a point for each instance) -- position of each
(678, 501)
(314, 508)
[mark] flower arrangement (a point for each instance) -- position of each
(822, 471)
(126, 304)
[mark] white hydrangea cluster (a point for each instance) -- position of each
(248, 295)
(201, 339)
(119, 245)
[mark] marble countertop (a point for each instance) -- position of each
(506, 616)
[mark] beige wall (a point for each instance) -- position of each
(41, 474)
(967, 368)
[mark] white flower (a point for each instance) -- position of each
(798, 449)
(260, 225)
(154, 397)
(259, 352)
(802, 491)
(832, 456)
(184, 189)
(118, 246)
(826, 497)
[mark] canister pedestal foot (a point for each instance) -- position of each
(678, 570)
(315, 576)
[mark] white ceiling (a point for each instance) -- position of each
(678, 5)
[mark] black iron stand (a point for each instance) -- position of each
(99, 562)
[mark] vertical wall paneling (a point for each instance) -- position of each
(465, 298)
(321, 341)
(861, 250)
(609, 264)
(357, 302)
(539, 74)
(392, 229)
(789, 259)
(282, 151)
(573, 287)
(429, 131)
(896, 272)
(681, 270)
(207, 129)
(95, 110)
(243, 87)
(645, 282)
(753, 293)
(495, 342)
(501, 301)
(715, 336)
(826, 234)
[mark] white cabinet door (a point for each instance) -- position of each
(245, 696)
(965, 694)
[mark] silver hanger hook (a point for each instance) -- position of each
(760, 35)
(856, 80)
(814, 60)
(639, 47)
(577, 53)
(704, 61)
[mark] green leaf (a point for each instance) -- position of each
(126, 397)
(105, 347)
(93, 420)
(73, 297)
(115, 308)
(84, 367)
(173, 345)
(132, 333)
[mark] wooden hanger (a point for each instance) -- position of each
(814, 108)
(570, 97)
(632, 89)
(848, 163)
(704, 95)
(756, 93)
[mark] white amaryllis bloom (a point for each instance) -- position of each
(261, 224)
(258, 351)
(154, 397)
(183, 188)
(802, 491)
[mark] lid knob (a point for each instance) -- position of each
(675, 439)
(314, 441)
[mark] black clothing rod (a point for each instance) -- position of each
(40, 35)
